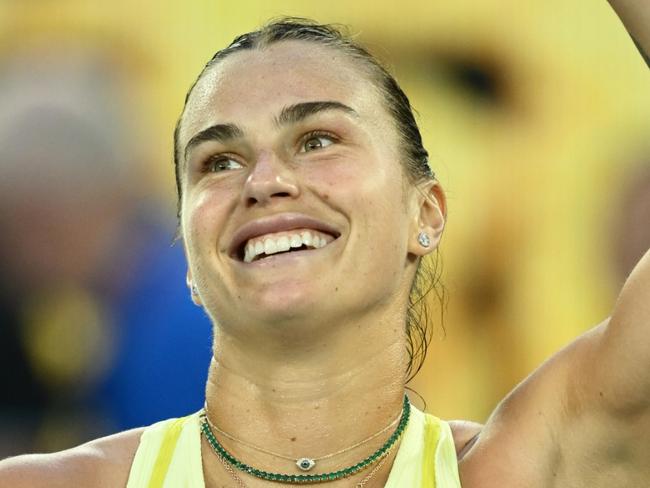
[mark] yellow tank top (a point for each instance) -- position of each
(169, 455)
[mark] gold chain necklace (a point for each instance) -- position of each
(304, 463)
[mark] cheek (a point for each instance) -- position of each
(362, 188)
(202, 218)
(364, 192)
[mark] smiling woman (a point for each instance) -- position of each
(314, 155)
(306, 206)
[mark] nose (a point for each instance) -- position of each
(270, 177)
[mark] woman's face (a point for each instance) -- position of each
(271, 151)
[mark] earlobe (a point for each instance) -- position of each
(194, 292)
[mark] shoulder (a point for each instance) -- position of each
(465, 433)
(100, 463)
(529, 426)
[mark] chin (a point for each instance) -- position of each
(284, 301)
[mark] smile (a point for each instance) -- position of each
(292, 241)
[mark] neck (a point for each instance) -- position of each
(306, 405)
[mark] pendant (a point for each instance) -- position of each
(305, 464)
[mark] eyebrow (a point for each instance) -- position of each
(300, 111)
(289, 115)
(218, 133)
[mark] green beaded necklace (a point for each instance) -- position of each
(307, 478)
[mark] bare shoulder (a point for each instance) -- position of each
(529, 425)
(100, 463)
(465, 433)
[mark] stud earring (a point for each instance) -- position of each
(195, 295)
(423, 239)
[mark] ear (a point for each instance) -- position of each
(188, 277)
(193, 291)
(429, 210)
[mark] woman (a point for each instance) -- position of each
(294, 138)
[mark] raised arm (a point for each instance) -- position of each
(635, 15)
(617, 370)
(611, 377)
(583, 417)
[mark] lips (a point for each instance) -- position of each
(276, 223)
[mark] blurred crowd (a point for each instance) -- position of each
(94, 313)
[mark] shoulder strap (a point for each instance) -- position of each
(431, 440)
(165, 453)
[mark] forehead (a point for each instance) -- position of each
(257, 83)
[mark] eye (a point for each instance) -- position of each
(216, 164)
(317, 140)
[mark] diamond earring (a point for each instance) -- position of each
(423, 239)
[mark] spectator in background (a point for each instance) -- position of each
(88, 276)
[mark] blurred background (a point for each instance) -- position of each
(537, 118)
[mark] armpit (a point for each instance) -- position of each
(465, 433)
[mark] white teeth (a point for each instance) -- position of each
(259, 248)
(284, 243)
(296, 241)
(306, 238)
(247, 253)
(270, 247)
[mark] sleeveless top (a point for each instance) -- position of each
(169, 455)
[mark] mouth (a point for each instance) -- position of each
(279, 232)
(283, 246)
(241, 252)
